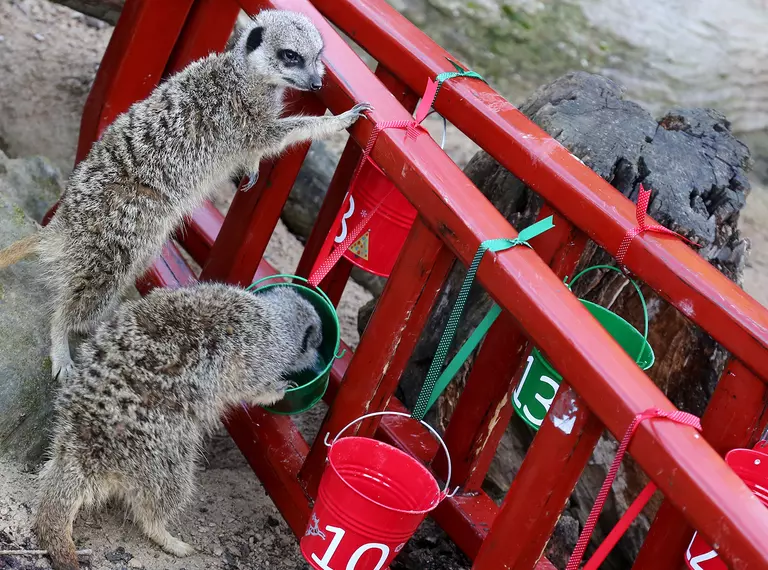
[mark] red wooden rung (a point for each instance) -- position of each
(604, 389)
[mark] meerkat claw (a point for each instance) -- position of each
(61, 372)
(253, 178)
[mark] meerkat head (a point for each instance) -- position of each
(300, 329)
(283, 47)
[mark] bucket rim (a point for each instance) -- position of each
(539, 356)
(439, 495)
(319, 294)
(445, 492)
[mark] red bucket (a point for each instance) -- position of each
(371, 500)
(752, 467)
(377, 248)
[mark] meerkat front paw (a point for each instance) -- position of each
(251, 179)
(350, 117)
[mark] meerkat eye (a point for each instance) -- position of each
(291, 58)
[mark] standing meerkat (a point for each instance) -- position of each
(148, 386)
(158, 161)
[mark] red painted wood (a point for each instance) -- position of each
(610, 383)
(206, 30)
(334, 198)
(132, 65)
(484, 409)
(168, 270)
(200, 231)
(275, 451)
(673, 269)
(734, 418)
(336, 280)
(550, 471)
(684, 467)
(389, 340)
(541, 488)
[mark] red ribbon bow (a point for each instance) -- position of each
(640, 212)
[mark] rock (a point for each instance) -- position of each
(135, 563)
(119, 555)
(30, 185)
(309, 190)
(106, 10)
(696, 170)
(26, 388)
(34, 183)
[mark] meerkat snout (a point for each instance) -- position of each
(285, 47)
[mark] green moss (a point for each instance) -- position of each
(2, 291)
(47, 365)
(19, 217)
(521, 50)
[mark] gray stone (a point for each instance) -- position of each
(106, 10)
(26, 387)
(309, 190)
(34, 183)
(28, 185)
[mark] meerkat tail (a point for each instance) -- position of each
(22, 249)
(60, 500)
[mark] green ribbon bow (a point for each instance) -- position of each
(460, 72)
(436, 382)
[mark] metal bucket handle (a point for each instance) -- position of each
(634, 284)
(309, 286)
(445, 492)
(445, 128)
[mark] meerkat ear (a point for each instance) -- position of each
(254, 39)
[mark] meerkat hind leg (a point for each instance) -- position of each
(61, 357)
(146, 513)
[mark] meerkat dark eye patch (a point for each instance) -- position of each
(290, 58)
(254, 39)
(307, 335)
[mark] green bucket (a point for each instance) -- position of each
(538, 386)
(311, 384)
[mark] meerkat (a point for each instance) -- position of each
(158, 161)
(148, 386)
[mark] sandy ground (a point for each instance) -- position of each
(48, 57)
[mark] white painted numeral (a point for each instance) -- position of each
(694, 560)
(343, 231)
(516, 393)
(543, 401)
(338, 535)
(352, 564)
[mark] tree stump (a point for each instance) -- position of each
(697, 172)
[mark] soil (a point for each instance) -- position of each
(48, 59)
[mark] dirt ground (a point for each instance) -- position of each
(48, 58)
